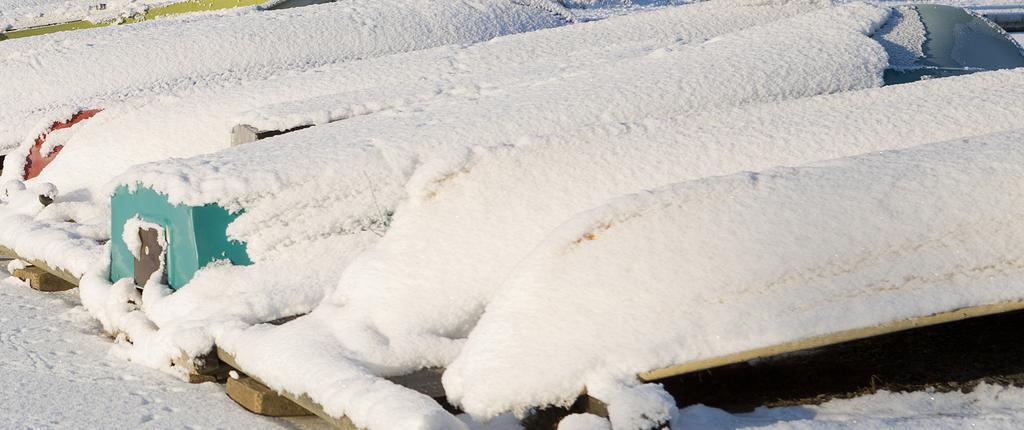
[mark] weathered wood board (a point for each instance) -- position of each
(60, 273)
(833, 338)
(42, 280)
(260, 399)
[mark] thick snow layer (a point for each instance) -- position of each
(58, 374)
(151, 129)
(680, 78)
(346, 178)
(450, 248)
(71, 246)
(722, 265)
(534, 56)
(118, 65)
(356, 182)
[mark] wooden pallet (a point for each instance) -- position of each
(42, 276)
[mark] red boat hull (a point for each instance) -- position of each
(36, 161)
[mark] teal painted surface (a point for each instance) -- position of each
(957, 43)
(196, 236)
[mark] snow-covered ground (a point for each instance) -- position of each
(987, 407)
(57, 372)
(1019, 37)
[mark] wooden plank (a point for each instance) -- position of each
(199, 370)
(41, 280)
(260, 399)
(242, 134)
(302, 400)
(60, 273)
(832, 339)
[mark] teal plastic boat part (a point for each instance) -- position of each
(196, 235)
(957, 42)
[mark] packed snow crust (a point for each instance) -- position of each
(119, 65)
